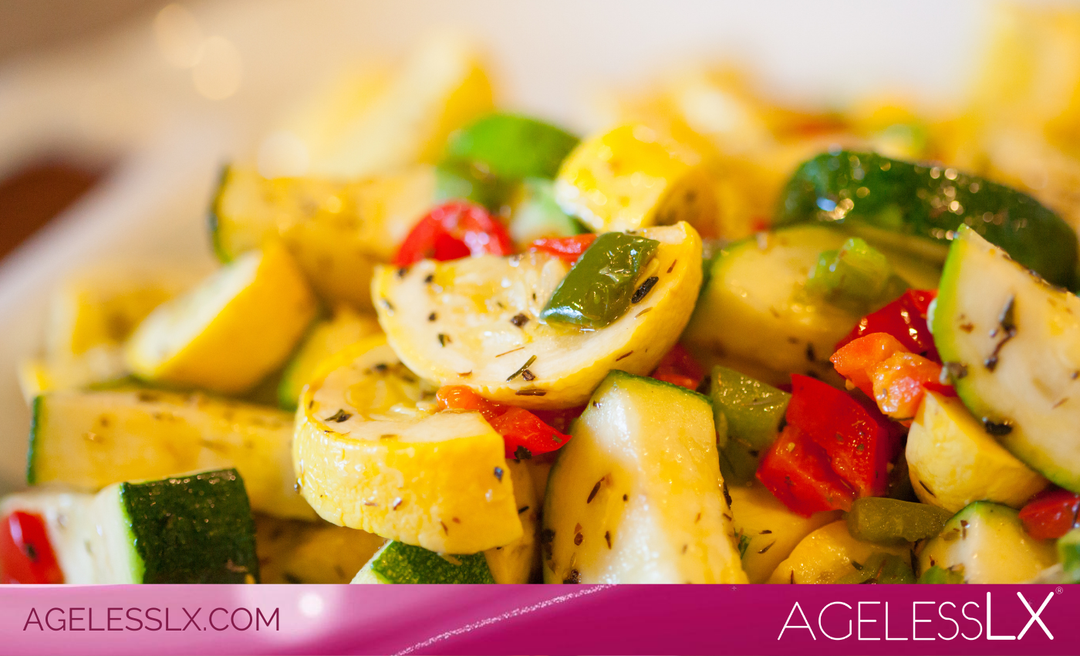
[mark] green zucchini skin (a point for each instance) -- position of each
(192, 529)
(903, 204)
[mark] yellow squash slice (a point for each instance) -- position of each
(474, 322)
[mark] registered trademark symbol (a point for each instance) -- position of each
(1059, 589)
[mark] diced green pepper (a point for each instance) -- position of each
(938, 575)
(891, 521)
(601, 285)
(748, 414)
(880, 568)
(919, 208)
(461, 180)
(1068, 547)
(534, 214)
(856, 277)
(512, 147)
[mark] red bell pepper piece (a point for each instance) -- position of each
(25, 553)
(452, 231)
(857, 359)
(900, 384)
(566, 248)
(1051, 514)
(859, 441)
(904, 319)
(524, 433)
(678, 367)
(797, 472)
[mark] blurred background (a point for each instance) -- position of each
(117, 115)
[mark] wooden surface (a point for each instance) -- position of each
(35, 194)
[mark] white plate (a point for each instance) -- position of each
(120, 95)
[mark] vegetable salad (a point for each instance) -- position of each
(766, 345)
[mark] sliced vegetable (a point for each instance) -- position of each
(567, 248)
(953, 461)
(630, 178)
(903, 319)
(370, 453)
(454, 230)
(534, 214)
(857, 359)
(293, 551)
(919, 208)
(397, 562)
(859, 441)
(856, 276)
(230, 331)
(900, 383)
(797, 472)
(1012, 344)
(195, 528)
(602, 284)
(26, 555)
(1051, 514)
(748, 416)
(512, 146)
(474, 322)
(336, 231)
(524, 433)
(87, 440)
(765, 530)
(988, 542)
(830, 554)
(325, 338)
(639, 441)
(891, 521)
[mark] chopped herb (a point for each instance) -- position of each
(607, 538)
(499, 473)
(644, 289)
(810, 355)
(996, 428)
(522, 509)
(510, 351)
(766, 548)
(521, 453)
(524, 367)
(429, 278)
(573, 576)
(402, 271)
(578, 539)
(339, 417)
(595, 489)
(444, 339)
(530, 392)
(528, 375)
(952, 372)
(382, 367)
(626, 497)
(643, 312)
(431, 317)
(744, 544)
(445, 528)
(673, 263)
(519, 320)
(1006, 325)
(624, 355)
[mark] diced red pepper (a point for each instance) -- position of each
(524, 433)
(797, 472)
(452, 231)
(904, 319)
(857, 359)
(900, 384)
(566, 248)
(680, 368)
(859, 441)
(25, 553)
(1051, 514)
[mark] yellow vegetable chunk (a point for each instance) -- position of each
(474, 322)
(826, 555)
(369, 453)
(518, 561)
(229, 332)
(952, 460)
(310, 552)
(631, 178)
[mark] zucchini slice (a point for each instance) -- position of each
(474, 322)
(952, 460)
(636, 495)
(630, 178)
(336, 231)
(1013, 344)
(402, 563)
(986, 543)
(195, 528)
(828, 554)
(88, 440)
(229, 332)
(368, 453)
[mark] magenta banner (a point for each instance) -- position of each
(540, 619)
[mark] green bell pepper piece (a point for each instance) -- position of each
(512, 147)
(892, 521)
(601, 285)
(918, 208)
(856, 277)
(748, 414)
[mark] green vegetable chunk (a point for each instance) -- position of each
(857, 277)
(919, 208)
(512, 147)
(938, 575)
(1068, 547)
(891, 521)
(748, 414)
(192, 529)
(397, 562)
(881, 568)
(604, 283)
(463, 180)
